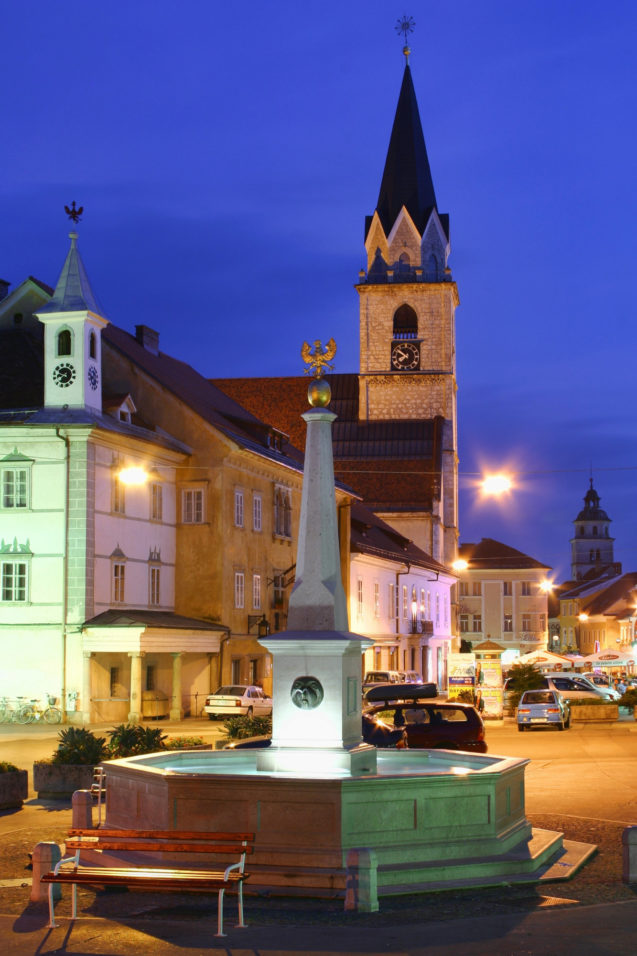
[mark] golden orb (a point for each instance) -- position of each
(319, 393)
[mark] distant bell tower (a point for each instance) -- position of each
(73, 323)
(591, 546)
(407, 307)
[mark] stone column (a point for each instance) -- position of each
(135, 713)
(86, 687)
(176, 710)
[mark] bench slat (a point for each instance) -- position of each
(164, 834)
(168, 879)
(98, 843)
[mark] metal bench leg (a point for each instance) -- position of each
(220, 931)
(74, 907)
(240, 924)
(52, 923)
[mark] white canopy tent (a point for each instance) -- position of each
(546, 660)
(610, 658)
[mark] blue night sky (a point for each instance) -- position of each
(227, 154)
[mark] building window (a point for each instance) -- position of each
(477, 588)
(64, 342)
(119, 495)
(236, 670)
(15, 487)
(278, 589)
(154, 585)
(508, 623)
(257, 513)
(256, 592)
(542, 622)
(405, 601)
(359, 597)
(477, 623)
(119, 580)
(156, 501)
(114, 682)
(14, 582)
(506, 588)
(526, 589)
(392, 609)
(463, 588)
(376, 599)
(437, 610)
(192, 506)
(150, 676)
(239, 589)
(464, 623)
(526, 622)
(238, 509)
(283, 512)
(405, 323)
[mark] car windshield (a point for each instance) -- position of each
(538, 697)
(233, 691)
(377, 677)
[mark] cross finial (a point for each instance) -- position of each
(405, 25)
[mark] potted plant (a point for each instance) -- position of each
(14, 786)
(71, 766)
(127, 740)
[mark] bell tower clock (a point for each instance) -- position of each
(73, 323)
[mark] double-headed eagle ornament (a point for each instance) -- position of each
(318, 358)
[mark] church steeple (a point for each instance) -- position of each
(591, 545)
(407, 177)
(73, 321)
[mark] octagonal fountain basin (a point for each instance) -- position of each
(424, 819)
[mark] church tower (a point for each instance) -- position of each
(73, 323)
(407, 310)
(591, 546)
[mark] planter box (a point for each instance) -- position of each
(60, 781)
(590, 712)
(14, 788)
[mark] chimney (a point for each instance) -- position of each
(148, 338)
(4, 288)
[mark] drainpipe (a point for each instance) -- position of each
(67, 444)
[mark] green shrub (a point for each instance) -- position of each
(77, 745)
(628, 698)
(237, 728)
(588, 702)
(6, 767)
(521, 677)
(183, 743)
(128, 740)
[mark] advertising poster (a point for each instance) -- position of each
(489, 687)
(461, 674)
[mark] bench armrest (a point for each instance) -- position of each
(67, 859)
(234, 866)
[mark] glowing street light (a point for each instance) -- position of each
(460, 564)
(133, 475)
(546, 586)
(496, 485)
(582, 617)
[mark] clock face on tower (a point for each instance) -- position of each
(93, 377)
(64, 374)
(405, 356)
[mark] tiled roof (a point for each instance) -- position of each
(371, 535)
(493, 555)
(161, 619)
(21, 368)
(615, 597)
(394, 465)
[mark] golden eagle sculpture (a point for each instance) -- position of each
(318, 358)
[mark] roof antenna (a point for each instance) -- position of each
(405, 25)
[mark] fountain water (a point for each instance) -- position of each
(332, 815)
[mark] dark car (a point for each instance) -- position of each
(376, 732)
(432, 724)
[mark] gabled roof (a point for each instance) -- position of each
(160, 619)
(373, 536)
(394, 465)
(616, 597)
(407, 177)
(73, 292)
(493, 555)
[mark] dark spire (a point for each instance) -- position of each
(407, 177)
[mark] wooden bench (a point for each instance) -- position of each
(157, 875)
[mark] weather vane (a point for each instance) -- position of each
(73, 213)
(405, 25)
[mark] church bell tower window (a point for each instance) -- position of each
(405, 323)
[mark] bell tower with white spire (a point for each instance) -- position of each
(73, 323)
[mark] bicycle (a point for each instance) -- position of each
(7, 711)
(30, 712)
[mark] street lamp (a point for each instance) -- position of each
(496, 485)
(263, 625)
(414, 616)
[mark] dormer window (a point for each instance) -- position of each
(64, 342)
(124, 415)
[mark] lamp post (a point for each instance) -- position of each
(263, 625)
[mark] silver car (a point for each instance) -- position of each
(542, 707)
(238, 700)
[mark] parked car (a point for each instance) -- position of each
(381, 677)
(411, 677)
(236, 700)
(603, 682)
(377, 732)
(539, 707)
(428, 723)
(570, 688)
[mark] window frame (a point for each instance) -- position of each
(154, 585)
(13, 469)
(239, 508)
(525, 588)
(118, 582)
(256, 592)
(476, 624)
(156, 501)
(194, 512)
(283, 512)
(239, 590)
(376, 599)
(257, 511)
(359, 598)
(9, 588)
